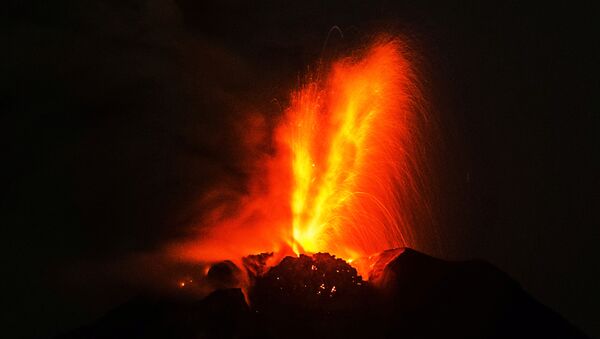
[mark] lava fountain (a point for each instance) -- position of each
(350, 140)
(346, 177)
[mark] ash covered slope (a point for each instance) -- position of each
(410, 295)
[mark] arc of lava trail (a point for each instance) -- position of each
(350, 135)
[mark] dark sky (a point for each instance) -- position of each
(119, 115)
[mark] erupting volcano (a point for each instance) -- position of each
(318, 247)
(345, 177)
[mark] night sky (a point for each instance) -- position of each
(119, 115)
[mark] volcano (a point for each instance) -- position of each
(410, 295)
(347, 179)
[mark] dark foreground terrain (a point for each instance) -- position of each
(409, 295)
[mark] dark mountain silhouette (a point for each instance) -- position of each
(410, 295)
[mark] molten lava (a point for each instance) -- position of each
(345, 178)
(350, 139)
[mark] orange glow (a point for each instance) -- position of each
(345, 177)
(349, 136)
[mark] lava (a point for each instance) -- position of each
(350, 139)
(346, 176)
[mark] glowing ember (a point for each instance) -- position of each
(318, 282)
(345, 178)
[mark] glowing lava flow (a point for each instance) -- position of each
(346, 175)
(350, 139)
